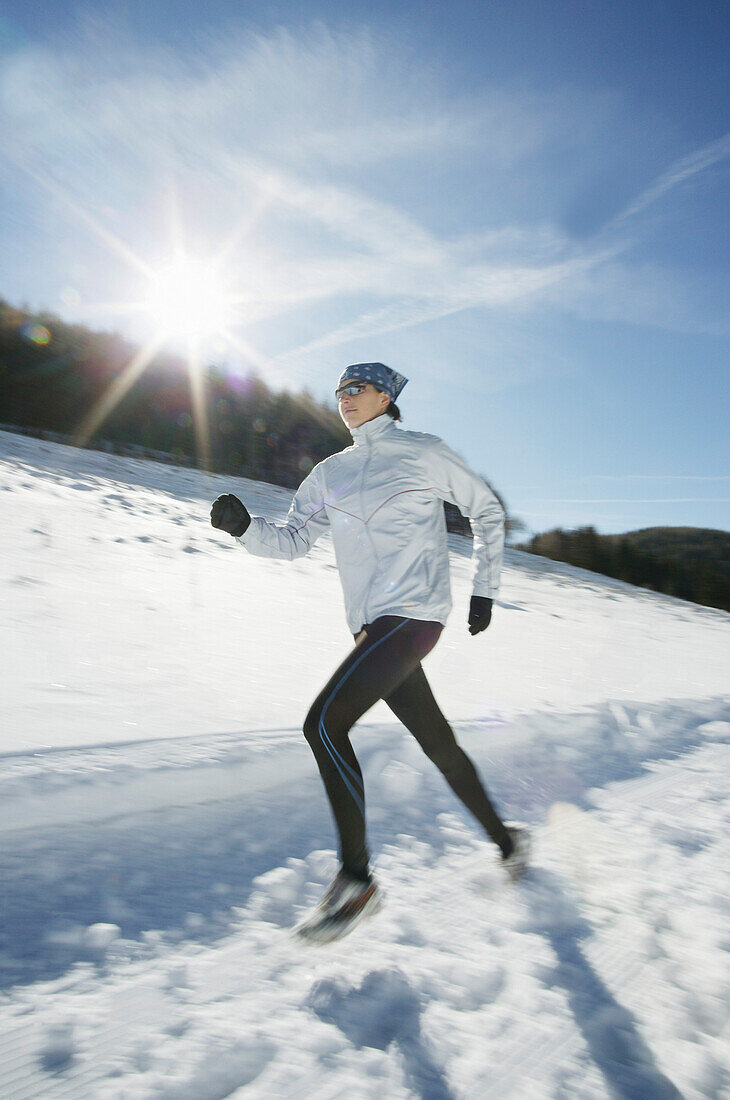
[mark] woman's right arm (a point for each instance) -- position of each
(305, 522)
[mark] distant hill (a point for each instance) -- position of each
(688, 545)
(692, 563)
(54, 376)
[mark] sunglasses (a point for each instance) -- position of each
(353, 389)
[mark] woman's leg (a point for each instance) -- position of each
(413, 704)
(381, 660)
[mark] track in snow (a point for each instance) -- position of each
(169, 835)
(121, 1025)
(98, 1036)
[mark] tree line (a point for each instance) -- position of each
(54, 374)
(690, 563)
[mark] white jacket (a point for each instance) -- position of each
(382, 500)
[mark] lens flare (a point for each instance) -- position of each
(37, 334)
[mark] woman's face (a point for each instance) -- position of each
(357, 409)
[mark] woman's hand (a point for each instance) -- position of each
(229, 514)
(480, 614)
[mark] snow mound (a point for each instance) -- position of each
(163, 823)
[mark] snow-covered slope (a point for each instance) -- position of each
(162, 823)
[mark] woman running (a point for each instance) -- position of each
(382, 499)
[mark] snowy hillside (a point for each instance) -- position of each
(163, 825)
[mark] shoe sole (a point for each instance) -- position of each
(328, 929)
(518, 864)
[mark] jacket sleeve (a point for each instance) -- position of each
(305, 522)
(455, 481)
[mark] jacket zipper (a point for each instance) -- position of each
(368, 452)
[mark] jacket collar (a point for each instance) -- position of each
(373, 430)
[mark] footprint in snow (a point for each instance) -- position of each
(225, 1068)
(58, 1048)
(385, 1009)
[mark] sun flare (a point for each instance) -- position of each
(191, 305)
(187, 301)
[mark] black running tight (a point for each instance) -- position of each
(386, 664)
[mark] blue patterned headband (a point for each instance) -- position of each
(382, 377)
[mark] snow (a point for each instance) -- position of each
(163, 826)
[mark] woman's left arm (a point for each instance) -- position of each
(455, 481)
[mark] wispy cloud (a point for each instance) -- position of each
(632, 500)
(679, 172)
(656, 477)
(447, 293)
(299, 126)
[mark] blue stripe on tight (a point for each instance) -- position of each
(357, 798)
(336, 758)
(329, 745)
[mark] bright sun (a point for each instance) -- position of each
(194, 306)
(187, 301)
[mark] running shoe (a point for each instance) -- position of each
(345, 903)
(518, 861)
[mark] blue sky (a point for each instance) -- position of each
(521, 206)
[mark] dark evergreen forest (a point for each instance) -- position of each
(53, 375)
(692, 563)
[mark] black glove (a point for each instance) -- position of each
(480, 614)
(229, 514)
